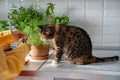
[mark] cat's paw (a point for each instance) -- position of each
(55, 63)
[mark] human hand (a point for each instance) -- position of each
(17, 35)
(20, 37)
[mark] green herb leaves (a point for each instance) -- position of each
(26, 19)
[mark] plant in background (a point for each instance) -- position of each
(27, 19)
(52, 18)
(3, 25)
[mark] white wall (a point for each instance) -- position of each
(100, 18)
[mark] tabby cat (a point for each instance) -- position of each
(72, 41)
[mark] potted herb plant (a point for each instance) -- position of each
(4, 26)
(27, 19)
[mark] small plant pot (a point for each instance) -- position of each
(39, 52)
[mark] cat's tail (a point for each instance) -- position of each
(104, 59)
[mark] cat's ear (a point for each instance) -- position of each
(40, 27)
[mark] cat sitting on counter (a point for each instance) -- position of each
(72, 41)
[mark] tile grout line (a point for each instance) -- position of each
(43, 63)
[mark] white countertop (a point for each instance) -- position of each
(100, 71)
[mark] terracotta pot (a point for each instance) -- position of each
(39, 52)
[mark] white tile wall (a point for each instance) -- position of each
(97, 39)
(77, 11)
(111, 23)
(3, 13)
(112, 12)
(109, 30)
(43, 3)
(100, 18)
(111, 3)
(11, 2)
(94, 12)
(94, 21)
(27, 2)
(78, 21)
(61, 7)
(94, 30)
(73, 13)
(94, 4)
(111, 38)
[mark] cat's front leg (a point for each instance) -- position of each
(58, 49)
(58, 56)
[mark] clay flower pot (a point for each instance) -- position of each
(39, 52)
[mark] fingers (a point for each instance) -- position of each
(21, 34)
(18, 34)
(22, 40)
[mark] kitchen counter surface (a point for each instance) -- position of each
(44, 69)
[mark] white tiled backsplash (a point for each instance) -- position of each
(100, 18)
